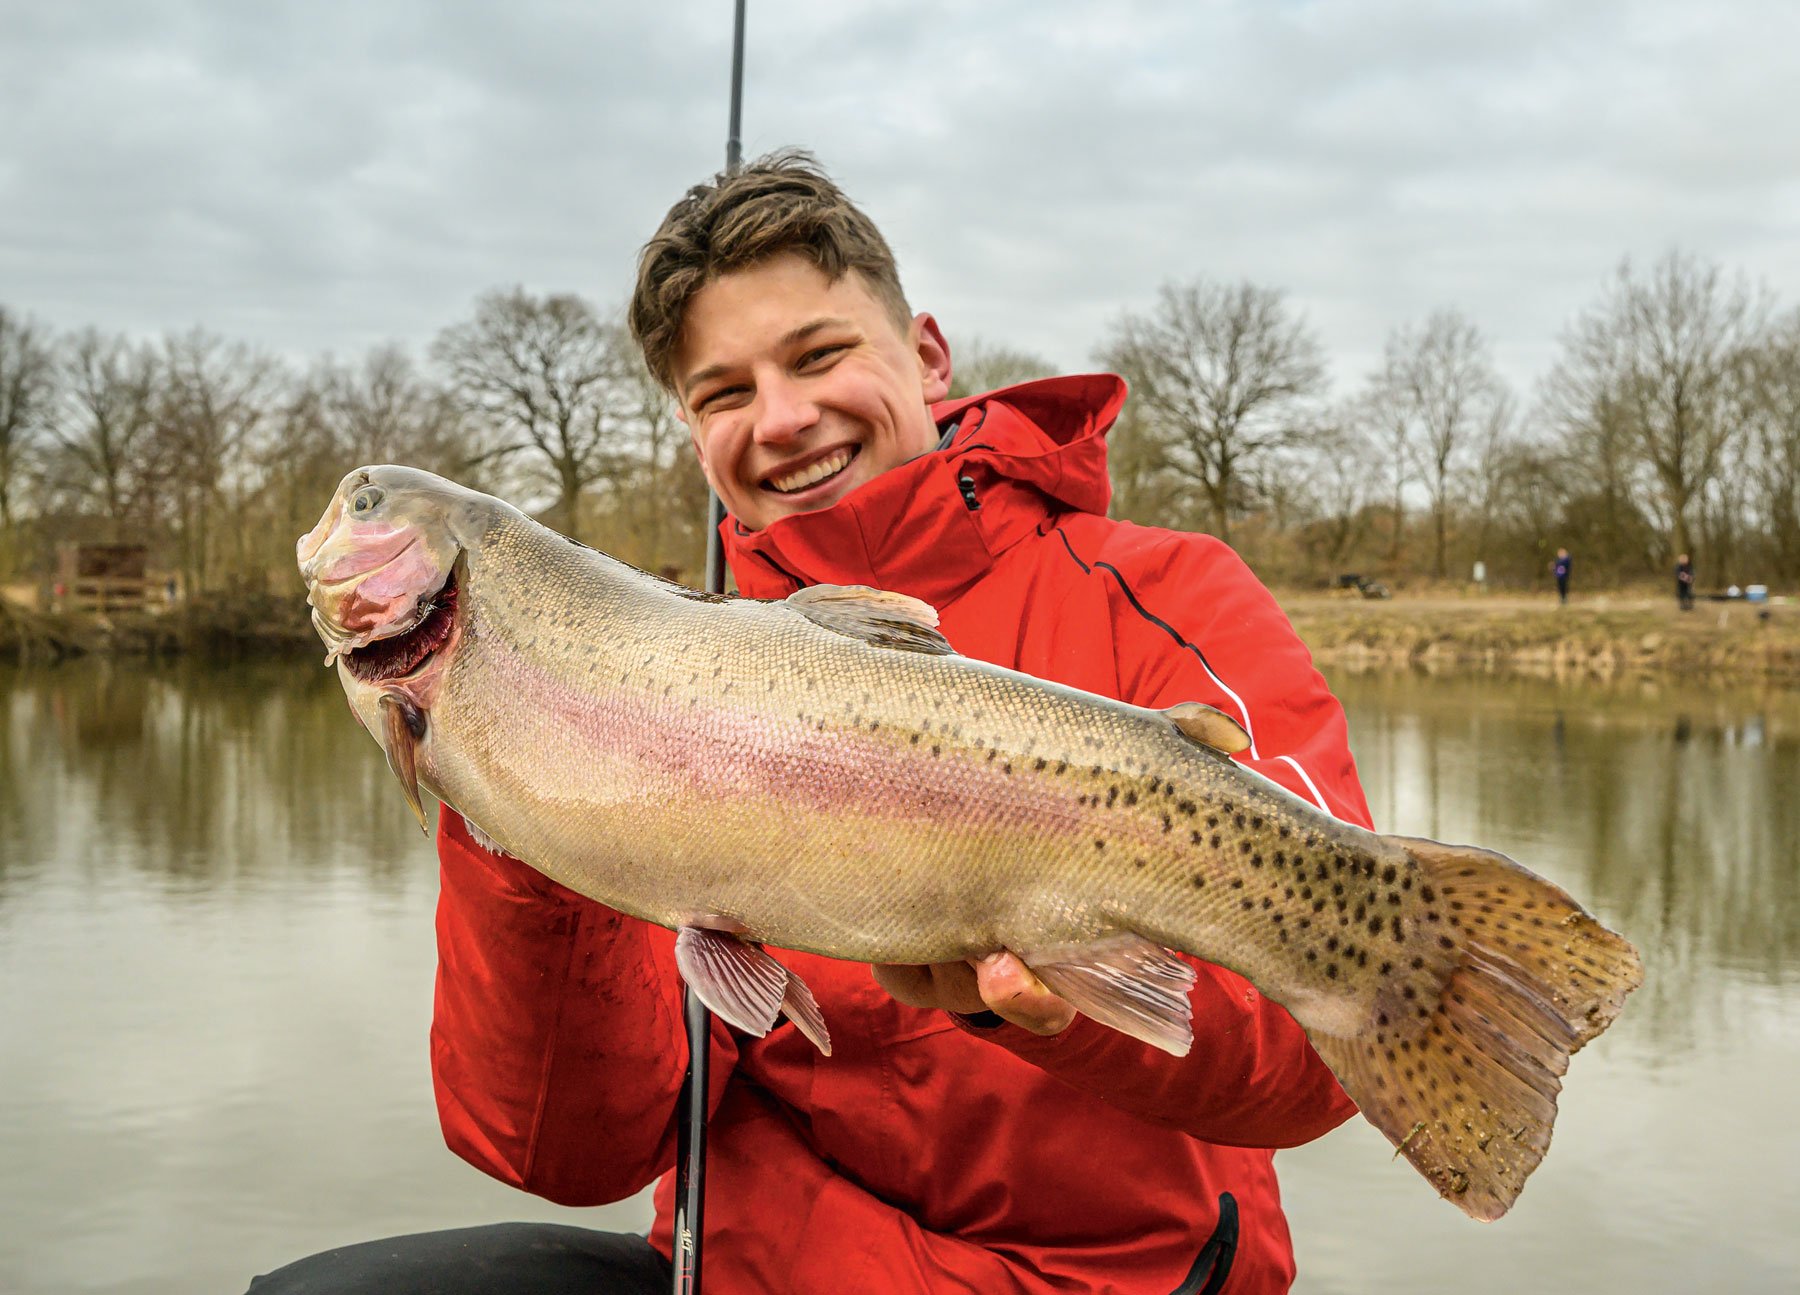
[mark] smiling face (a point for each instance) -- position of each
(798, 389)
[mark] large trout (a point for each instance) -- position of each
(825, 773)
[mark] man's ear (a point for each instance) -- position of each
(934, 358)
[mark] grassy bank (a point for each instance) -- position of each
(1599, 635)
(227, 625)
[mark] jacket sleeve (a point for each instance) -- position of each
(1191, 623)
(556, 1039)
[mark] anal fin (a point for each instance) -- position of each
(745, 986)
(1124, 981)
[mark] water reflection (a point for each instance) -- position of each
(216, 955)
(1668, 812)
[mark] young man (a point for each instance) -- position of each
(970, 1132)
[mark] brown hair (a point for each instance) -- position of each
(783, 202)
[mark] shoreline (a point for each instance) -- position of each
(1601, 636)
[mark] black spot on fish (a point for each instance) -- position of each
(1247, 904)
(1212, 820)
(1399, 936)
(1386, 967)
(1237, 820)
(1374, 926)
(1312, 955)
(1284, 831)
(1186, 807)
(935, 748)
(1039, 763)
(1445, 942)
(1138, 863)
(1389, 873)
(1257, 822)
(1256, 861)
(1199, 881)
(914, 739)
(1268, 904)
(1427, 894)
(1112, 797)
(1130, 798)
(1331, 945)
(1155, 785)
(1331, 970)
(1237, 883)
(1099, 844)
(1007, 767)
(1213, 841)
(1194, 838)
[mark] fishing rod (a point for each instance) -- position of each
(690, 1112)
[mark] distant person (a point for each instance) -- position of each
(1561, 568)
(1684, 583)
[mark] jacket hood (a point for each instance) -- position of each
(932, 526)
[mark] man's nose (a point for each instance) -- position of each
(784, 411)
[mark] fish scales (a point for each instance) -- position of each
(780, 772)
(767, 778)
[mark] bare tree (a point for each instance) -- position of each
(1441, 381)
(1771, 410)
(1343, 474)
(104, 423)
(27, 391)
(213, 401)
(979, 365)
(1222, 374)
(1662, 354)
(385, 411)
(545, 374)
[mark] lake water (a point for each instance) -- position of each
(216, 960)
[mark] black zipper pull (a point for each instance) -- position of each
(967, 486)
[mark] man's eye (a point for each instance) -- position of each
(722, 398)
(819, 354)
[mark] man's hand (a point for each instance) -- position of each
(998, 983)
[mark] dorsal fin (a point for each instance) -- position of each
(873, 615)
(1209, 726)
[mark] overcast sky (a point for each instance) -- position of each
(323, 176)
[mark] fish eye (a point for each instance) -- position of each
(364, 500)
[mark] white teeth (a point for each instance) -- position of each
(831, 465)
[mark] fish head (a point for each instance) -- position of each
(384, 569)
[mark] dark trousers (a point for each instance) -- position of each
(1684, 594)
(499, 1259)
(1562, 588)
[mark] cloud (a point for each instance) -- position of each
(327, 176)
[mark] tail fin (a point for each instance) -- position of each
(1462, 1062)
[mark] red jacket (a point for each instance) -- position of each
(926, 1154)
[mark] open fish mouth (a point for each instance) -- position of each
(402, 654)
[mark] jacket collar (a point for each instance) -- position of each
(933, 526)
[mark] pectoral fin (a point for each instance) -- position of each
(743, 984)
(403, 724)
(1124, 981)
